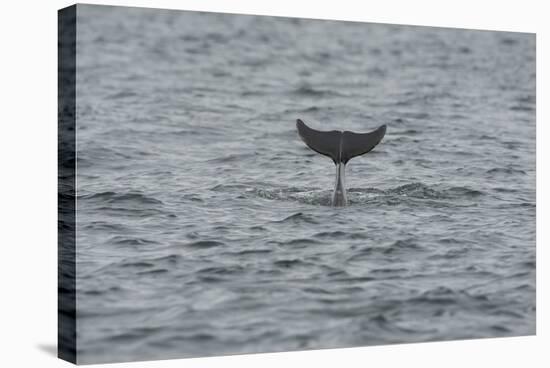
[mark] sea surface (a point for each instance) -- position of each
(204, 225)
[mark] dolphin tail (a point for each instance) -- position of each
(339, 146)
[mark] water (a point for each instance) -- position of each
(204, 226)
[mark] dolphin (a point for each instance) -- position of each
(340, 147)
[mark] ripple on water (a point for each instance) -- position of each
(125, 240)
(358, 196)
(505, 171)
(300, 241)
(202, 244)
(120, 198)
(297, 218)
(290, 263)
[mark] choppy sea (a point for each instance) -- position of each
(203, 222)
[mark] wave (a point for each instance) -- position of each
(309, 91)
(104, 226)
(526, 108)
(121, 95)
(290, 263)
(123, 240)
(137, 264)
(505, 171)
(303, 242)
(302, 195)
(232, 157)
(447, 296)
(222, 270)
(201, 244)
(114, 197)
(299, 217)
(251, 252)
(399, 247)
(340, 235)
(356, 196)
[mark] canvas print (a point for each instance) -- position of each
(234, 184)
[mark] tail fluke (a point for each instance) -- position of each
(339, 146)
(357, 144)
(325, 143)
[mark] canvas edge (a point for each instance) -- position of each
(66, 191)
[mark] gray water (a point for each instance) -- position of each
(203, 220)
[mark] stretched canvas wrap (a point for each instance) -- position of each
(235, 184)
